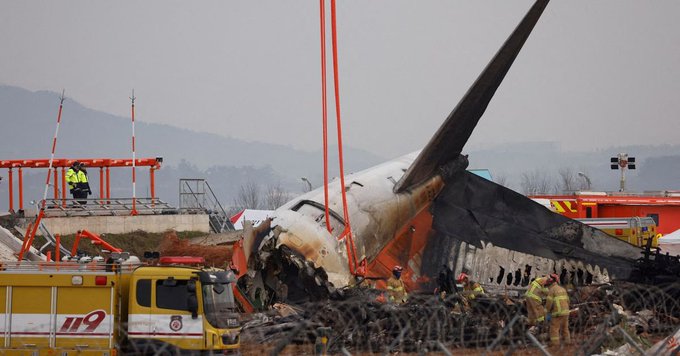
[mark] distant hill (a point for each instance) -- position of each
(89, 133)
(28, 121)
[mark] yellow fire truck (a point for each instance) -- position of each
(68, 308)
(634, 230)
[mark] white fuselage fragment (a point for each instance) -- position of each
(376, 214)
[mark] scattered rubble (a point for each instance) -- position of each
(359, 324)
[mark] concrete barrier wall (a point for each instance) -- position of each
(126, 224)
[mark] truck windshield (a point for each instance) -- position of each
(219, 307)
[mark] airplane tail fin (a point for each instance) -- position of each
(448, 141)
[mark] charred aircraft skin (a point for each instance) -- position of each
(500, 236)
(376, 214)
(300, 246)
(474, 210)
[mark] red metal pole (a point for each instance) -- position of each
(101, 184)
(56, 183)
(108, 185)
(57, 250)
(152, 178)
(63, 186)
(74, 249)
(21, 189)
(134, 195)
(28, 240)
(11, 190)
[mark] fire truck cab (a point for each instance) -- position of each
(64, 308)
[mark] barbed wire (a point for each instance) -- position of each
(603, 317)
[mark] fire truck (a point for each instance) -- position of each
(636, 230)
(124, 307)
(663, 207)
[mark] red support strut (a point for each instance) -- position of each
(101, 185)
(11, 190)
(21, 189)
(84, 234)
(63, 186)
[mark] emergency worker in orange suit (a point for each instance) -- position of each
(557, 307)
(396, 290)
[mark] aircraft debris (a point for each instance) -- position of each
(361, 325)
(424, 210)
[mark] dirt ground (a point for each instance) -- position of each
(167, 243)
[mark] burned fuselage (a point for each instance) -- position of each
(300, 259)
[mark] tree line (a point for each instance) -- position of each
(542, 182)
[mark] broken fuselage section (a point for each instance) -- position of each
(300, 260)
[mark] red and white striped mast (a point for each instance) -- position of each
(30, 234)
(134, 178)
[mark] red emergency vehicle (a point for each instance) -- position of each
(663, 207)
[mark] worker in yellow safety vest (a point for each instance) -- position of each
(534, 300)
(471, 289)
(82, 186)
(557, 307)
(72, 178)
(396, 290)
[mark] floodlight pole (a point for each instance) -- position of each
(581, 174)
(623, 162)
(623, 180)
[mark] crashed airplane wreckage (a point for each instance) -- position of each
(424, 210)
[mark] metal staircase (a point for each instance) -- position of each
(196, 197)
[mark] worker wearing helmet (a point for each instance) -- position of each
(471, 289)
(557, 307)
(534, 300)
(396, 289)
(72, 179)
(82, 187)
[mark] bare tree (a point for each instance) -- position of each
(567, 180)
(536, 182)
(248, 196)
(275, 196)
(500, 179)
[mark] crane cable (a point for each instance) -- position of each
(347, 232)
(324, 108)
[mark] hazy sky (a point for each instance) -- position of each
(592, 74)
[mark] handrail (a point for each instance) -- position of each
(114, 206)
(224, 213)
(203, 199)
